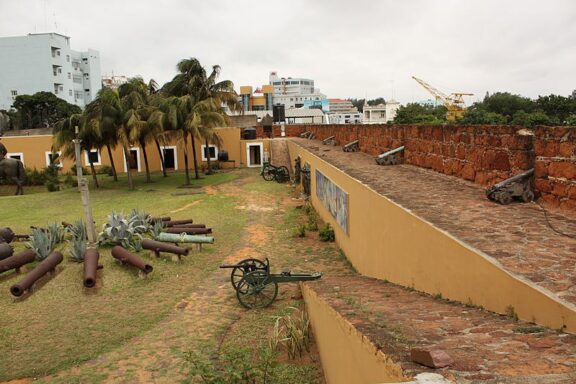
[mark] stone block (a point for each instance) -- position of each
(563, 169)
(543, 185)
(431, 357)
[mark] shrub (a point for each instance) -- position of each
(35, 177)
(105, 170)
(40, 243)
(70, 181)
(300, 231)
(77, 247)
(327, 233)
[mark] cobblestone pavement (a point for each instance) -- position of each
(517, 235)
(486, 348)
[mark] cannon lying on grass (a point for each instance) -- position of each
(91, 265)
(160, 219)
(158, 247)
(329, 140)
(47, 265)
(517, 187)
(127, 257)
(6, 235)
(257, 287)
(5, 251)
(353, 146)
(189, 226)
(182, 238)
(188, 230)
(173, 223)
(391, 157)
(17, 260)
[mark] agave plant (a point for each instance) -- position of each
(56, 233)
(78, 230)
(119, 230)
(41, 243)
(157, 228)
(140, 220)
(77, 249)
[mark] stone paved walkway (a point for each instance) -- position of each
(517, 235)
(485, 347)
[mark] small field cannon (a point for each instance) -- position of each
(391, 157)
(5, 251)
(353, 146)
(189, 230)
(272, 172)
(157, 247)
(91, 267)
(517, 187)
(329, 140)
(176, 223)
(126, 257)
(17, 260)
(47, 265)
(258, 288)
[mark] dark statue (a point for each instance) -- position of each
(297, 170)
(12, 170)
(306, 179)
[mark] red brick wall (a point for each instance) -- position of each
(482, 154)
(555, 169)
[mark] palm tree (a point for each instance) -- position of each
(107, 128)
(194, 83)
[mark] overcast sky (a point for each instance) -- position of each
(352, 48)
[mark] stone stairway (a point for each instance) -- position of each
(279, 154)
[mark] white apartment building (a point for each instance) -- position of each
(293, 92)
(381, 113)
(345, 118)
(113, 81)
(45, 62)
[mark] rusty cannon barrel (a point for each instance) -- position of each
(161, 219)
(158, 247)
(179, 238)
(6, 235)
(5, 251)
(189, 231)
(124, 256)
(175, 223)
(17, 260)
(47, 265)
(189, 226)
(91, 257)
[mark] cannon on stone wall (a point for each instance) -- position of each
(353, 146)
(329, 140)
(126, 257)
(308, 135)
(391, 157)
(517, 187)
(49, 264)
(17, 260)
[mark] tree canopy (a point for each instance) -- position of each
(42, 109)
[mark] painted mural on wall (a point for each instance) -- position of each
(334, 199)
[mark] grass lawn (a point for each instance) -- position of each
(62, 323)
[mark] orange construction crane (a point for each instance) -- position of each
(454, 103)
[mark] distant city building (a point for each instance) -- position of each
(293, 92)
(113, 81)
(381, 113)
(260, 100)
(345, 118)
(341, 106)
(294, 115)
(45, 62)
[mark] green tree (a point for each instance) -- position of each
(531, 119)
(414, 113)
(558, 108)
(506, 104)
(42, 109)
(479, 116)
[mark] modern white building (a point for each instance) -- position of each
(293, 92)
(345, 118)
(381, 113)
(45, 62)
(113, 81)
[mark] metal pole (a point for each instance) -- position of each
(84, 193)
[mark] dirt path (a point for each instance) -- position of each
(158, 356)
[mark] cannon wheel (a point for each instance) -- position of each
(282, 174)
(246, 266)
(267, 174)
(256, 290)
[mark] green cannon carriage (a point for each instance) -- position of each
(256, 287)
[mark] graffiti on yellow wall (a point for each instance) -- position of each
(334, 199)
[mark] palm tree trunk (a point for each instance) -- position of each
(194, 155)
(209, 172)
(162, 161)
(112, 162)
(143, 145)
(93, 171)
(127, 159)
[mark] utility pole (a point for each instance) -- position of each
(84, 192)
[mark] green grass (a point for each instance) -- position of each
(62, 323)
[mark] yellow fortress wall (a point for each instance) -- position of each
(386, 241)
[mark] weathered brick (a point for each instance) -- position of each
(543, 185)
(562, 169)
(541, 168)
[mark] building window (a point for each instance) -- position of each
(16, 156)
(14, 93)
(68, 58)
(69, 75)
(54, 159)
(212, 150)
(92, 155)
(69, 92)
